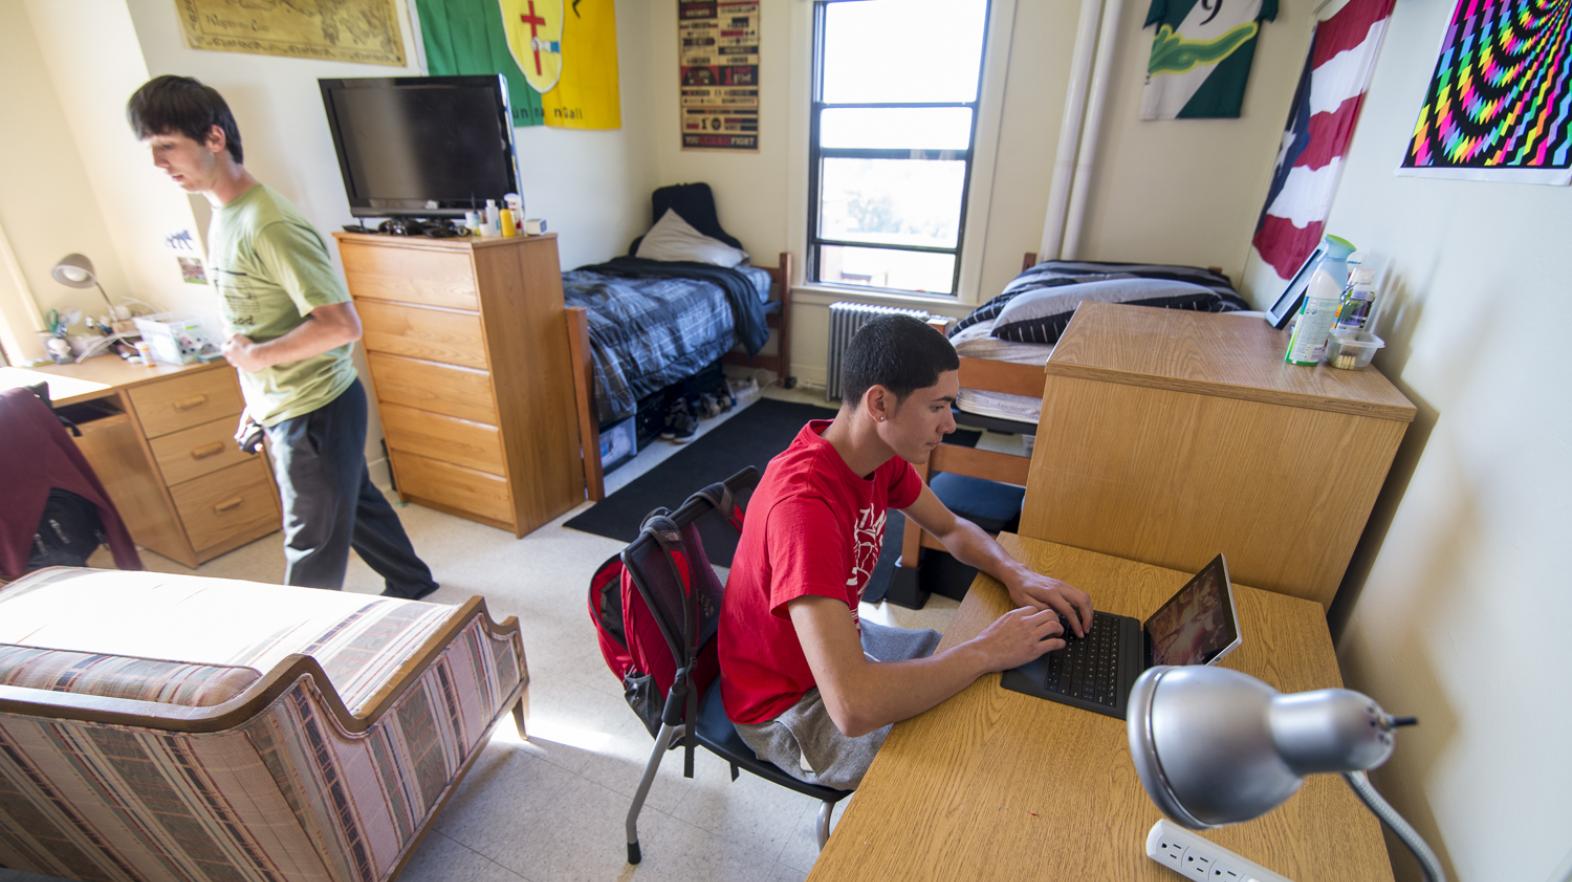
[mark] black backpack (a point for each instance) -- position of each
(69, 531)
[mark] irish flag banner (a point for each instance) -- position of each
(1201, 56)
(559, 56)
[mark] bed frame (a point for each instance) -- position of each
(976, 373)
(778, 320)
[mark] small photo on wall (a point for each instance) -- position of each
(191, 271)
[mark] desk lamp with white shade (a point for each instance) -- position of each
(76, 271)
(1214, 746)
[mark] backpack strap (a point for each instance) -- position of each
(668, 536)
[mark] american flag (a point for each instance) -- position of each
(1343, 52)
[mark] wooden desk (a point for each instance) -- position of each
(994, 784)
(162, 443)
(1167, 436)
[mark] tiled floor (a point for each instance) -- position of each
(552, 808)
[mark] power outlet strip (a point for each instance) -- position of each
(1195, 857)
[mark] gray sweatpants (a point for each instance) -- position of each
(803, 740)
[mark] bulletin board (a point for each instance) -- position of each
(718, 60)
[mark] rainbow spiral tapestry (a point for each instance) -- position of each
(1499, 105)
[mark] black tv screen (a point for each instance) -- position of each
(421, 146)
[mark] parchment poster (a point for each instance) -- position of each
(718, 52)
(361, 31)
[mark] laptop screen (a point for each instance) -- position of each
(1197, 625)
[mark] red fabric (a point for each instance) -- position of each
(1347, 29)
(36, 455)
(1284, 245)
(814, 528)
(1329, 135)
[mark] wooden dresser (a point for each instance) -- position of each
(468, 346)
(1167, 436)
(161, 440)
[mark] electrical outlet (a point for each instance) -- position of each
(1196, 857)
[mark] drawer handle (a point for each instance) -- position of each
(207, 450)
(229, 504)
(188, 403)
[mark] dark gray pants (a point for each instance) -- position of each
(331, 506)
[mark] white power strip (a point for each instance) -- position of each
(1195, 857)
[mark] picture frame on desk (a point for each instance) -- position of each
(1287, 303)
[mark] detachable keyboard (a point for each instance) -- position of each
(1088, 667)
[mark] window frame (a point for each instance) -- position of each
(816, 154)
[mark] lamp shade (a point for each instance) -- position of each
(74, 271)
(1214, 746)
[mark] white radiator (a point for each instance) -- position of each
(845, 319)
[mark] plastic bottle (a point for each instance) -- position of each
(491, 226)
(1353, 315)
(472, 222)
(505, 220)
(1307, 346)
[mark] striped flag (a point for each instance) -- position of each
(569, 49)
(1343, 52)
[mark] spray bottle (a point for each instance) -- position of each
(1324, 295)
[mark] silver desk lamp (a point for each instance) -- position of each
(76, 271)
(1214, 746)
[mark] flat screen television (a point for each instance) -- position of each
(421, 146)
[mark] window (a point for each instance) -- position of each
(892, 128)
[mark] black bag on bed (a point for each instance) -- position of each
(695, 203)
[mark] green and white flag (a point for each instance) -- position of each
(1201, 56)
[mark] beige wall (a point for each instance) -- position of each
(47, 205)
(1457, 605)
(1185, 192)
(138, 208)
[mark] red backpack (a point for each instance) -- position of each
(631, 639)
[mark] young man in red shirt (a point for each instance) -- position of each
(809, 686)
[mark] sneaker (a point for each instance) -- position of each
(680, 423)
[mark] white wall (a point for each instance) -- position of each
(1182, 191)
(47, 206)
(1456, 606)
(138, 207)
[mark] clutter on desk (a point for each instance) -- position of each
(1336, 319)
(176, 340)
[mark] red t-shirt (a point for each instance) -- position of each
(813, 528)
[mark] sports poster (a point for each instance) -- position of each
(718, 58)
(1499, 105)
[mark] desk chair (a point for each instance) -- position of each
(688, 620)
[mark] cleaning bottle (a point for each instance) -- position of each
(1353, 314)
(1307, 346)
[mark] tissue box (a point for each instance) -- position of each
(173, 340)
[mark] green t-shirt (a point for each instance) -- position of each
(271, 268)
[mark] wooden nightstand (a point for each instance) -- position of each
(1168, 436)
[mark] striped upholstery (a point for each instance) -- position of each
(290, 789)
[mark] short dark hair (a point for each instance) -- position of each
(182, 104)
(897, 352)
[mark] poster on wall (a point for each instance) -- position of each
(359, 31)
(718, 57)
(1321, 120)
(1201, 57)
(559, 57)
(1499, 104)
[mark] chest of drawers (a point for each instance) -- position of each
(468, 349)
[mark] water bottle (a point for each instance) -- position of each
(1353, 314)
(1307, 346)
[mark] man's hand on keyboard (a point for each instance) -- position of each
(1031, 589)
(1018, 637)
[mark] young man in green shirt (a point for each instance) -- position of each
(291, 328)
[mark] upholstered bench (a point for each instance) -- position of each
(179, 727)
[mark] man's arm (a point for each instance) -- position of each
(971, 546)
(326, 327)
(862, 695)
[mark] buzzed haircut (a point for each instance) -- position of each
(182, 104)
(897, 352)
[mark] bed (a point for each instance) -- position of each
(1002, 379)
(638, 326)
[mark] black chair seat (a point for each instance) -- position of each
(989, 504)
(715, 732)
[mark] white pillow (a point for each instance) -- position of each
(673, 238)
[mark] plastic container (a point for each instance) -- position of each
(1354, 314)
(1351, 352)
(1307, 345)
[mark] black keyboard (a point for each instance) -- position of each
(1088, 667)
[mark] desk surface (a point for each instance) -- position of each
(1233, 356)
(994, 784)
(95, 378)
